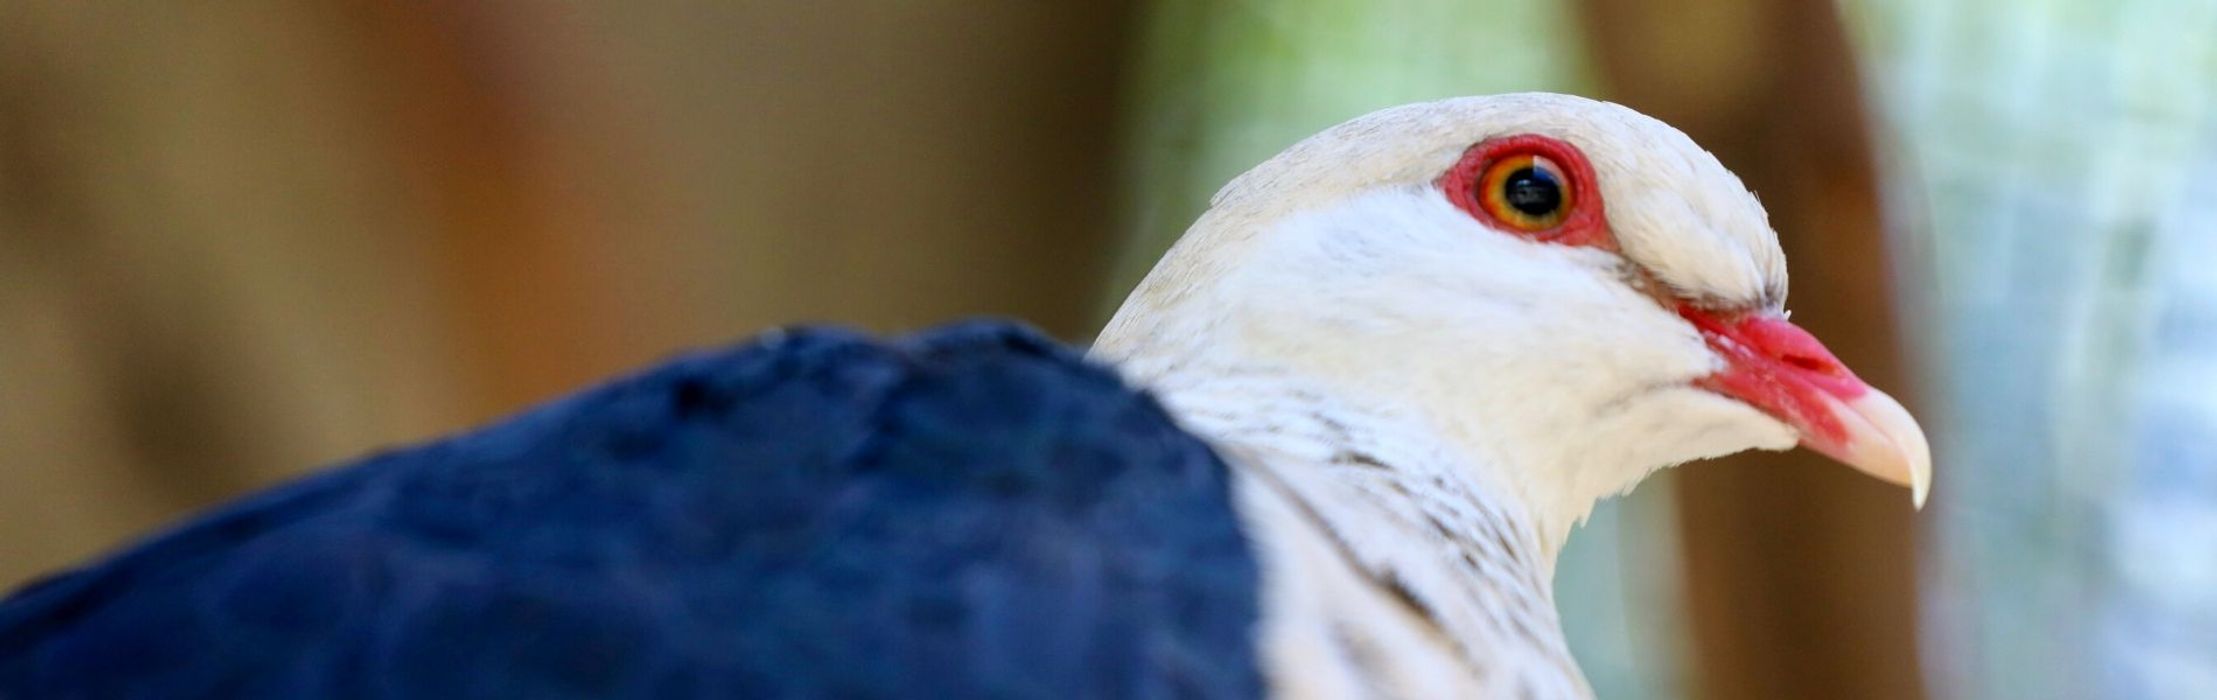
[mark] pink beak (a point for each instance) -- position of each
(1782, 370)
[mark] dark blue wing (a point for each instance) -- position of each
(971, 512)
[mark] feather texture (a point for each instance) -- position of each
(973, 512)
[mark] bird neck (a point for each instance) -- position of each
(1523, 455)
(1421, 522)
(1318, 441)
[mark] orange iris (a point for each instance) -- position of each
(1526, 191)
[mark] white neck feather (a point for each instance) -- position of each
(1422, 546)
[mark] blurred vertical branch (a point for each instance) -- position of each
(518, 218)
(1801, 573)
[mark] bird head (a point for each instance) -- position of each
(1563, 287)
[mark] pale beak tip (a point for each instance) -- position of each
(1910, 439)
(1920, 486)
(1884, 441)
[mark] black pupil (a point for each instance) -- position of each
(1533, 191)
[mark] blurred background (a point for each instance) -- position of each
(238, 241)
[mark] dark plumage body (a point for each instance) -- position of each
(970, 512)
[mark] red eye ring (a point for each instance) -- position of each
(1531, 186)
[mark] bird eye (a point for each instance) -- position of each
(1529, 192)
(1532, 186)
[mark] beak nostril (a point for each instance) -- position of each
(1809, 363)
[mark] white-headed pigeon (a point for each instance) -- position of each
(1329, 449)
